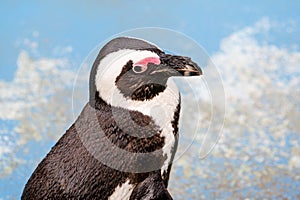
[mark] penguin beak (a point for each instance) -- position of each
(183, 66)
(190, 70)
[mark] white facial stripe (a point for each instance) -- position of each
(110, 68)
(161, 108)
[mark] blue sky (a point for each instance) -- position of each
(84, 25)
(71, 29)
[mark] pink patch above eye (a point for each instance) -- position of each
(145, 61)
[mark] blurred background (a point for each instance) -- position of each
(253, 44)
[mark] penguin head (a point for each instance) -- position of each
(130, 69)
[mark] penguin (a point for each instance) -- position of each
(124, 141)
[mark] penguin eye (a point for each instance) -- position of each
(139, 68)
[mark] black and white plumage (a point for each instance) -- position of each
(123, 142)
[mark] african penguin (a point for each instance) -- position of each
(123, 143)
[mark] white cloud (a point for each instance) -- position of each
(5, 145)
(35, 100)
(260, 144)
(260, 79)
(34, 81)
(62, 50)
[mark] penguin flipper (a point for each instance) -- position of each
(152, 188)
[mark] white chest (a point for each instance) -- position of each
(162, 109)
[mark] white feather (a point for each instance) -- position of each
(122, 192)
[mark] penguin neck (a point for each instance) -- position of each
(160, 108)
(164, 109)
